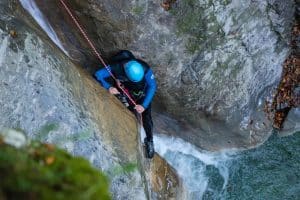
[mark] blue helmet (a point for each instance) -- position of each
(134, 71)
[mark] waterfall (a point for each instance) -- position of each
(35, 12)
(197, 168)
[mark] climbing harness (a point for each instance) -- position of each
(96, 52)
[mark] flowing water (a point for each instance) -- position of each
(35, 12)
(200, 171)
(271, 171)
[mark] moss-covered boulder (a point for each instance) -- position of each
(42, 171)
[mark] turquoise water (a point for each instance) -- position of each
(271, 171)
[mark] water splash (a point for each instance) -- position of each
(35, 12)
(204, 174)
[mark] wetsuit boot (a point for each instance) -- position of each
(149, 148)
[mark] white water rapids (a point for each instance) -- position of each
(195, 167)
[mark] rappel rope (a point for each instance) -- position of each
(96, 52)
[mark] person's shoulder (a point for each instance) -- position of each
(115, 66)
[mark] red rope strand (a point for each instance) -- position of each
(95, 51)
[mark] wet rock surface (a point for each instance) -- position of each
(56, 101)
(51, 99)
(164, 180)
(216, 62)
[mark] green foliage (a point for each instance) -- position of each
(41, 171)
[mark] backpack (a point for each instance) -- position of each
(122, 56)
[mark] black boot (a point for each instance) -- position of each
(149, 148)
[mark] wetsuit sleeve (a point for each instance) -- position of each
(151, 88)
(101, 75)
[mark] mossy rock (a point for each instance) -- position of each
(203, 30)
(41, 171)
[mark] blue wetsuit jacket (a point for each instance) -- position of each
(149, 83)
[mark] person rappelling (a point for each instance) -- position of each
(134, 84)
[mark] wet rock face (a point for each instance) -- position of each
(222, 64)
(164, 180)
(215, 61)
(56, 101)
(43, 93)
(102, 20)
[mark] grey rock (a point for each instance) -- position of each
(43, 93)
(216, 62)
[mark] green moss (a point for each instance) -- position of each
(125, 169)
(203, 31)
(137, 10)
(40, 171)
